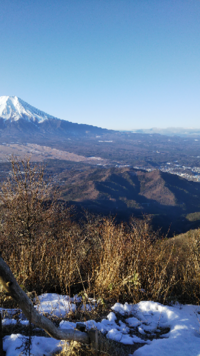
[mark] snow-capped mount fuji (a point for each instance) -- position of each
(13, 108)
(19, 120)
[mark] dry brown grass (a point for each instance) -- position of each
(187, 272)
(132, 263)
(106, 348)
(48, 253)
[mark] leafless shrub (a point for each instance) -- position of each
(47, 252)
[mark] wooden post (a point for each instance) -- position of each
(94, 342)
(1, 337)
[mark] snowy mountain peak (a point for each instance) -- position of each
(13, 108)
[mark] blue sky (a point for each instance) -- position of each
(120, 64)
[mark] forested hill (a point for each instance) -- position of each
(123, 192)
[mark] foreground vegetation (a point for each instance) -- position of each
(47, 252)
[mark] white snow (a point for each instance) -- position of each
(133, 321)
(163, 330)
(56, 305)
(183, 339)
(13, 345)
(6, 322)
(13, 108)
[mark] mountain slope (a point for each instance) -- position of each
(13, 108)
(19, 120)
(123, 192)
(125, 187)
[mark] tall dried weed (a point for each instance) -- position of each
(47, 252)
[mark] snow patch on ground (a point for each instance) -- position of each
(163, 330)
(56, 305)
(13, 345)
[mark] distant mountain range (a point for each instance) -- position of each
(172, 202)
(94, 167)
(170, 131)
(18, 120)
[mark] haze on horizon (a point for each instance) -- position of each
(121, 64)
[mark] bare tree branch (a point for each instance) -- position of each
(13, 289)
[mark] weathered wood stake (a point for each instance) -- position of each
(1, 337)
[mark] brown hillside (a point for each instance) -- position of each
(152, 186)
